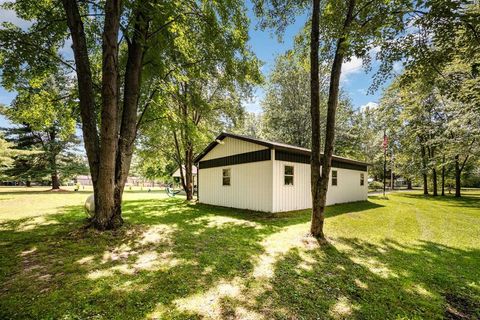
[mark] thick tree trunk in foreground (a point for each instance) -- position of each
(85, 89)
(85, 86)
(434, 182)
(108, 130)
(129, 122)
(319, 197)
(110, 151)
(316, 228)
(409, 184)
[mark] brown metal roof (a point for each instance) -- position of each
(268, 144)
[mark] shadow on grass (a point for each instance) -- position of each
(179, 260)
(365, 281)
(466, 200)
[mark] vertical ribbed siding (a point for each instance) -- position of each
(298, 196)
(251, 186)
(230, 146)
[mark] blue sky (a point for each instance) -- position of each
(355, 81)
(266, 46)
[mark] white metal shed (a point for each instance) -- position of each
(248, 173)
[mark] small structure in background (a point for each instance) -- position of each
(177, 177)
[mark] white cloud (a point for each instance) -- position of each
(398, 67)
(353, 66)
(368, 106)
(10, 16)
(362, 91)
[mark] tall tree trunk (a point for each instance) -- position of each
(110, 154)
(318, 216)
(85, 89)
(188, 172)
(425, 184)
(424, 170)
(55, 181)
(54, 173)
(458, 173)
(392, 174)
(53, 152)
(409, 184)
(443, 175)
(319, 198)
(129, 122)
(434, 182)
(109, 115)
(179, 160)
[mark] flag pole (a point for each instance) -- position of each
(384, 160)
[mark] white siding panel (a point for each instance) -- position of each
(348, 188)
(250, 186)
(298, 196)
(230, 147)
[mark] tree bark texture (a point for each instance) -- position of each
(316, 228)
(128, 125)
(85, 87)
(188, 172)
(109, 115)
(443, 176)
(109, 150)
(458, 174)
(424, 170)
(319, 197)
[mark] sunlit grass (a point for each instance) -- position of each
(402, 257)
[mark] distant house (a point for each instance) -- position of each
(243, 172)
(176, 175)
(84, 180)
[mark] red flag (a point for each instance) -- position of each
(385, 142)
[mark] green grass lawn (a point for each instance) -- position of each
(405, 257)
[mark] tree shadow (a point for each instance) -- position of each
(466, 200)
(168, 250)
(175, 259)
(361, 280)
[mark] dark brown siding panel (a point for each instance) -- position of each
(255, 156)
(301, 158)
(291, 157)
(350, 166)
